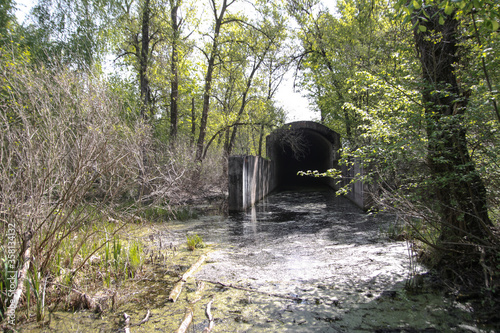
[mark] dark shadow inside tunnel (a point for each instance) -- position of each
(302, 150)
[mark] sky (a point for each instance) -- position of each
(23, 7)
(294, 103)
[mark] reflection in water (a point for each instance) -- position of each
(328, 252)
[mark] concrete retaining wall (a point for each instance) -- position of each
(358, 190)
(250, 179)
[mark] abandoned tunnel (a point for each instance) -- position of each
(297, 146)
(302, 146)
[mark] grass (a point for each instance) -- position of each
(194, 242)
(161, 212)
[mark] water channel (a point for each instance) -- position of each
(346, 274)
(299, 261)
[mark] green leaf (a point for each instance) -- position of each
(495, 25)
(441, 19)
(448, 9)
(422, 28)
(417, 4)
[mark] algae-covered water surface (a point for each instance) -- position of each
(302, 261)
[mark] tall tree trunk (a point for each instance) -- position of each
(206, 105)
(241, 110)
(219, 20)
(174, 83)
(244, 98)
(143, 62)
(193, 123)
(459, 190)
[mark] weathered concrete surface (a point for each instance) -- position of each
(250, 179)
(358, 191)
(297, 146)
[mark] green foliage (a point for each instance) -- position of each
(37, 287)
(194, 242)
(135, 258)
(69, 32)
(488, 9)
(6, 17)
(361, 70)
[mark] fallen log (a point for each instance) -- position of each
(194, 267)
(293, 298)
(176, 291)
(208, 313)
(186, 321)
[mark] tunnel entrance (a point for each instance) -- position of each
(302, 146)
(297, 146)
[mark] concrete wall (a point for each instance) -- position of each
(358, 190)
(250, 179)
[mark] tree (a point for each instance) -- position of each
(260, 43)
(6, 16)
(245, 72)
(138, 34)
(175, 24)
(459, 188)
(334, 49)
(143, 59)
(211, 56)
(69, 32)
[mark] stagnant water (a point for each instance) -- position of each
(305, 261)
(346, 274)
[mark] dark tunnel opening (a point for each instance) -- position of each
(305, 150)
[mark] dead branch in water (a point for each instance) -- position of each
(127, 326)
(188, 317)
(144, 320)
(176, 291)
(208, 313)
(197, 294)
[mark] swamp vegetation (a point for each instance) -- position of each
(117, 116)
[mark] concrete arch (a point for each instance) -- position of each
(296, 146)
(302, 146)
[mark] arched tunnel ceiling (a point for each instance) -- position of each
(302, 146)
